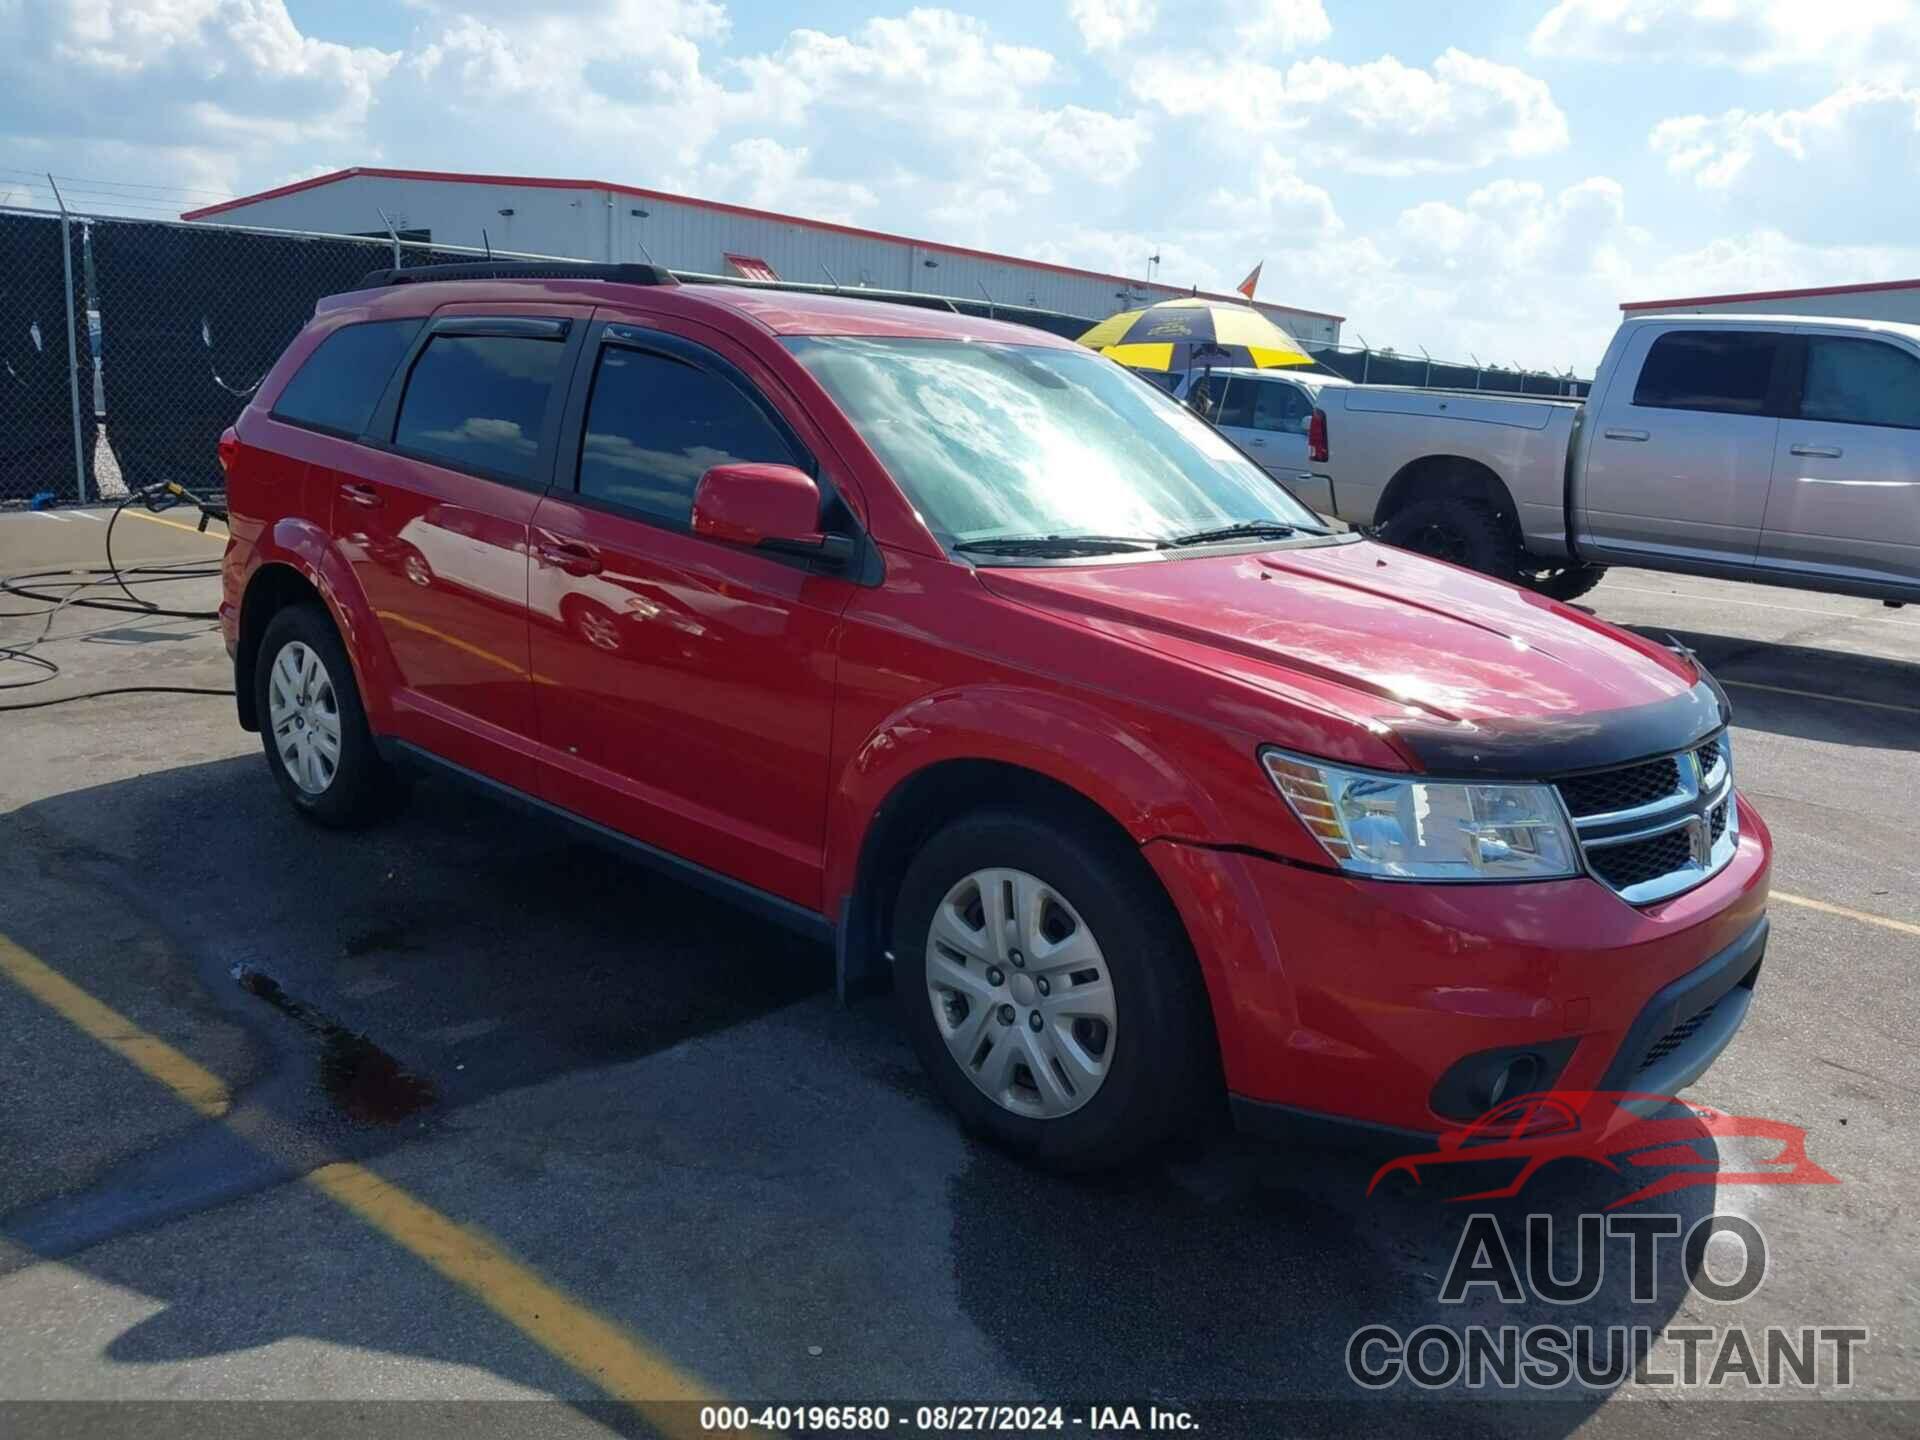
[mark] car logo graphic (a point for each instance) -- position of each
(1624, 1132)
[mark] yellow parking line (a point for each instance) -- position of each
(1904, 927)
(586, 1342)
(591, 1345)
(201, 1089)
(1819, 695)
(173, 524)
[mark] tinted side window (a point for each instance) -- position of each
(1723, 370)
(478, 402)
(1234, 399)
(1861, 382)
(655, 425)
(343, 379)
(1281, 407)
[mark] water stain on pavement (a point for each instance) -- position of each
(366, 1084)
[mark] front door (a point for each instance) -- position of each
(1845, 501)
(1682, 457)
(434, 524)
(684, 686)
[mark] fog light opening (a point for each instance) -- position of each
(1519, 1076)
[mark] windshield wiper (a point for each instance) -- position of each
(1246, 530)
(1055, 547)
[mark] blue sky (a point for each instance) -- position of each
(1491, 178)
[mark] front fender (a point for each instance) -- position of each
(303, 546)
(1110, 763)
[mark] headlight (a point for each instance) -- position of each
(1406, 828)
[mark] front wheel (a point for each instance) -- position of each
(1050, 991)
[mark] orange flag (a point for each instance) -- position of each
(1245, 287)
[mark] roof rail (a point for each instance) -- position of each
(625, 274)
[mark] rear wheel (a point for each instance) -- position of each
(314, 727)
(1463, 532)
(1050, 990)
(1568, 582)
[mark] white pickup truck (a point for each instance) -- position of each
(1778, 449)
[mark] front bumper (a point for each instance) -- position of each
(1352, 999)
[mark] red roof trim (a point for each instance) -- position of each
(719, 206)
(1868, 288)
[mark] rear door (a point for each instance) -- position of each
(685, 685)
(434, 524)
(1845, 500)
(1682, 457)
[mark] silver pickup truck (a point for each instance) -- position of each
(1772, 448)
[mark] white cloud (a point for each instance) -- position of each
(965, 115)
(189, 88)
(601, 75)
(770, 176)
(1108, 24)
(923, 58)
(1879, 124)
(1278, 206)
(1381, 118)
(1747, 34)
(1268, 25)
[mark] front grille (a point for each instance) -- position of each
(1626, 789)
(1657, 827)
(1675, 1038)
(1638, 861)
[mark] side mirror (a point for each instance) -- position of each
(766, 507)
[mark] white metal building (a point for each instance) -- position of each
(1879, 300)
(594, 220)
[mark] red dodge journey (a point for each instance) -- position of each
(961, 647)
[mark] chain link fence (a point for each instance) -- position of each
(44, 348)
(1386, 367)
(174, 327)
(129, 345)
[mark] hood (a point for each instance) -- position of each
(1467, 675)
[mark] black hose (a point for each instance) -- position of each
(56, 590)
(118, 690)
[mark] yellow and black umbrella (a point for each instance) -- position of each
(1177, 334)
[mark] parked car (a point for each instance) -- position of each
(1780, 449)
(952, 644)
(1270, 415)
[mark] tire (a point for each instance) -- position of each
(1569, 582)
(301, 653)
(1104, 921)
(1465, 532)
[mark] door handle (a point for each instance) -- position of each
(1822, 452)
(1256, 441)
(572, 559)
(1615, 433)
(364, 496)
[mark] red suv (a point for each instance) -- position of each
(958, 646)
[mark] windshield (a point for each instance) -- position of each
(1002, 442)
